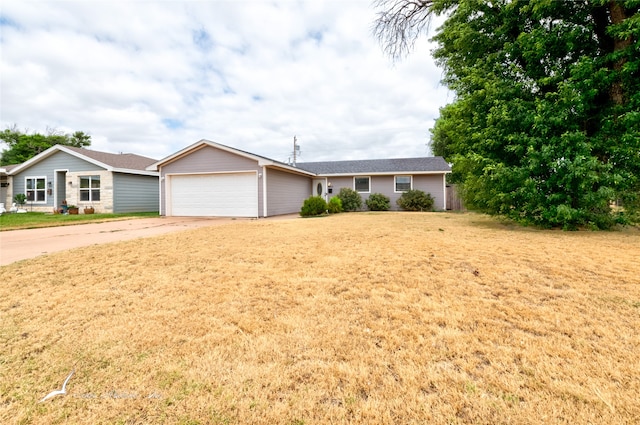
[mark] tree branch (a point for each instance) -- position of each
(399, 24)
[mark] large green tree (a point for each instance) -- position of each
(22, 146)
(545, 126)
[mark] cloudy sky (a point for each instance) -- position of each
(152, 77)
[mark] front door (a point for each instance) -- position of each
(60, 188)
(319, 188)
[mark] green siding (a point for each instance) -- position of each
(135, 193)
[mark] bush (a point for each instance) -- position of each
(378, 202)
(335, 205)
(415, 200)
(315, 205)
(351, 200)
(20, 199)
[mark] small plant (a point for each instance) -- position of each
(378, 202)
(20, 199)
(315, 205)
(335, 205)
(351, 200)
(415, 200)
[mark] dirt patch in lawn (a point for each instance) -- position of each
(354, 318)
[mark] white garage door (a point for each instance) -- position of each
(214, 195)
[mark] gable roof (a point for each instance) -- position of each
(262, 160)
(123, 162)
(129, 161)
(425, 165)
(5, 169)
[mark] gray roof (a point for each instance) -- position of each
(127, 161)
(378, 166)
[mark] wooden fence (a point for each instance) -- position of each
(454, 203)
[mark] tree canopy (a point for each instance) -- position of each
(22, 146)
(545, 126)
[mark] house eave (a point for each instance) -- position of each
(197, 146)
(287, 168)
(53, 149)
(385, 173)
(138, 172)
(261, 160)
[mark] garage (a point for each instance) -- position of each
(219, 195)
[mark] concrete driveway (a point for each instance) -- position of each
(16, 245)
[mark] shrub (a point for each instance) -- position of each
(20, 199)
(378, 202)
(351, 200)
(335, 205)
(315, 205)
(415, 200)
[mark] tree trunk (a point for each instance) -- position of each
(618, 15)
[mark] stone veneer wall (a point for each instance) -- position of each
(105, 205)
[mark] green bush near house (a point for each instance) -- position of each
(20, 199)
(351, 200)
(335, 205)
(416, 200)
(378, 202)
(315, 205)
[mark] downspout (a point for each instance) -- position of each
(160, 180)
(264, 191)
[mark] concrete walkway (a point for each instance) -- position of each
(16, 245)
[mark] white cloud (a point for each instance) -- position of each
(154, 77)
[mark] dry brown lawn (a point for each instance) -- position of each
(386, 318)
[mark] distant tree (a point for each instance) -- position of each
(545, 125)
(22, 146)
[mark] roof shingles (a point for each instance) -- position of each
(402, 165)
(128, 161)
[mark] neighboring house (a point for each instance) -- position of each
(390, 177)
(5, 199)
(210, 179)
(111, 183)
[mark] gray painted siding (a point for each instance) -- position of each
(4, 192)
(433, 184)
(386, 185)
(209, 160)
(57, 161)
(134, 193)
(286, 192)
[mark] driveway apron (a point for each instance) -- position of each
(16, 245)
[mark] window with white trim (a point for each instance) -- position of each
(89, 188)
(362, 184)
(36, 189)
(403, 183)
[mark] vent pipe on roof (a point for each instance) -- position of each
(296, 150)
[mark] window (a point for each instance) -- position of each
(89, 188)
(36, 191)
(361, 184)
(403, 183)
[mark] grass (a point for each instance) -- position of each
(32, 220)
(381, 318)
